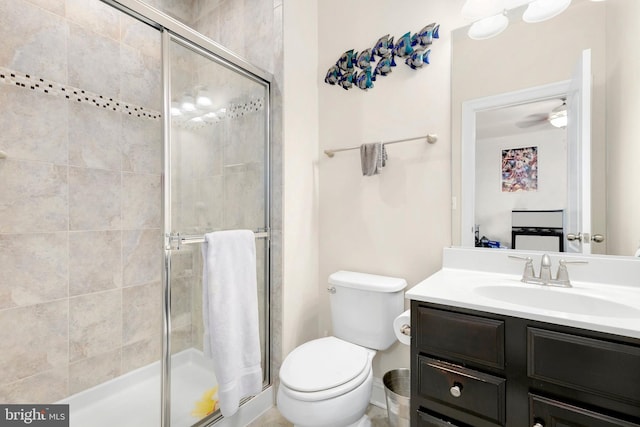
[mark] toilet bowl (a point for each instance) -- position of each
(326, 382)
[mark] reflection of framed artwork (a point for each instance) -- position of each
(520, 169)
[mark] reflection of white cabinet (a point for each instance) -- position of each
(537, 230)
(537, 242)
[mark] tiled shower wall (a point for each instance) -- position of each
(80, 207)
(80, 211)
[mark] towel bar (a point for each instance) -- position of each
(431, 139)
(176, 240)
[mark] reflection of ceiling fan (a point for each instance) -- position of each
(556, 117)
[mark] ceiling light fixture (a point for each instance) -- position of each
(558, 116)
(488, 27)
(541, 10)
(491, 16)
(559, 119)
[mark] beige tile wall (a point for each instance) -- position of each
(80, 241)
(80, 207)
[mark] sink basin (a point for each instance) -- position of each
(566, 301)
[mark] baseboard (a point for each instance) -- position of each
(378, 397)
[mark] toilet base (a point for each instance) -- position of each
(347, 410)
(365, 421)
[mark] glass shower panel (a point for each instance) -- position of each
(219, 170)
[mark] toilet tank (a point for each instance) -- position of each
(363, 307)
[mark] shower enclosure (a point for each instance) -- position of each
(218, 179)
(126, 136)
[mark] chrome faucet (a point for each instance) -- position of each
(545, 269)
(545, 277)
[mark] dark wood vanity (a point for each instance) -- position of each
(472, 368)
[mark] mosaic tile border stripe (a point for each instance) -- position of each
(71, 93)
(239, 110)
(49, 87)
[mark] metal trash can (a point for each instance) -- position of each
(397, 389)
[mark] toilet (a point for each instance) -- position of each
(327, 382)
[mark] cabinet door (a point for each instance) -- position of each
(544, 412)
(563, 359)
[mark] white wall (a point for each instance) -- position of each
(623, 128)
(395, 223)
(493, 207)
(300, 317)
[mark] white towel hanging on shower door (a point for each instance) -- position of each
(230, 315)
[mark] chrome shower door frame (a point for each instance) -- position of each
(167, 38)
(175, 31)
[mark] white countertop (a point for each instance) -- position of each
(610, 308)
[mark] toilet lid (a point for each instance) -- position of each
(323, 364)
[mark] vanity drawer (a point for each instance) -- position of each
(564, 359)
(549, 412)
(472, 392)
(426, 420)
(461, 336)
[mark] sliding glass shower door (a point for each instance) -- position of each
(217, 180)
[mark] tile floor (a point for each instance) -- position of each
(272, 418)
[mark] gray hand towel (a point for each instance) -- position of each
(371, 158)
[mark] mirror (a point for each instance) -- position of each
(527, 56)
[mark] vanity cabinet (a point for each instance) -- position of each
(478, 369)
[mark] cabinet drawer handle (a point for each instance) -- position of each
(456, 391)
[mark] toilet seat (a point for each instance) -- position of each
(324, 368)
